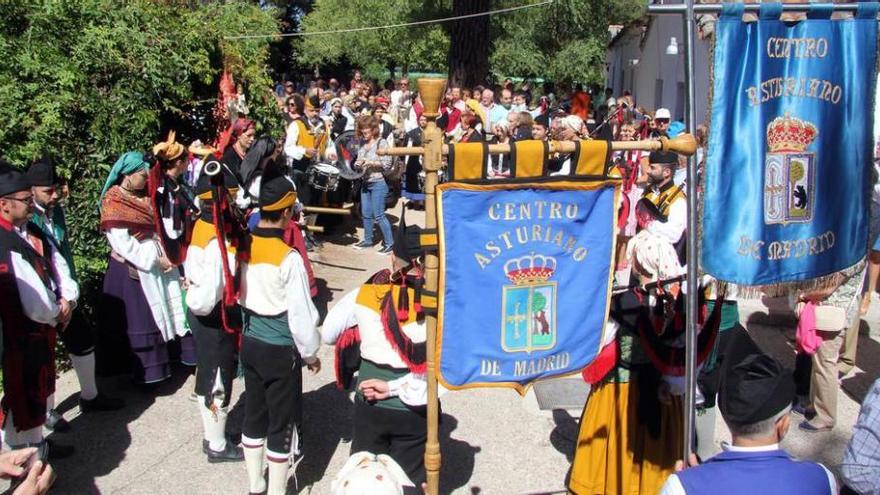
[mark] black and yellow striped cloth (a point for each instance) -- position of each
(529, 159)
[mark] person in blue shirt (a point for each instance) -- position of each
(755, 402)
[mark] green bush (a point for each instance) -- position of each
(91, 79)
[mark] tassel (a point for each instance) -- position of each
(403, 302)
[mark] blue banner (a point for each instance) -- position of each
(787, 182)
(525, 273)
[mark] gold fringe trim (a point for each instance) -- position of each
(778, 290)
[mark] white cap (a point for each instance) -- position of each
(367, 474)
(663, 113)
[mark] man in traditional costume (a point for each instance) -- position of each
(279, 334)
(78, 339)
(663, 207)
(755, 402)
(37, 296)
(214, 322)
(631, 427)
(299, 146)
(390, 403)
(141, 286)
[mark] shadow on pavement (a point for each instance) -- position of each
(458, 458)
(564, 435)
(326, 421)
(857, 385)
(101, 439)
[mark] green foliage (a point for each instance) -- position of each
(407, 47)
(91, 79)
(564, 41)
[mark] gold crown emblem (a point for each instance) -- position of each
(531, 268)
(787, 133)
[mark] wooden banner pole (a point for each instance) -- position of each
(432, 151)
(431, 91)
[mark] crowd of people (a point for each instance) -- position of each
(209, 266)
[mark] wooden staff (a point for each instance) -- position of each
(324, 209)
(683, 144)
(433, 150)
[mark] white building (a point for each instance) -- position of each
(637, 62)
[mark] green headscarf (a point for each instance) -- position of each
(127, 164)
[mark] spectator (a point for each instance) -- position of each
(374, 189)
(860, 469)
(755, 403)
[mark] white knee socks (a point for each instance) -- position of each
(85, 373)
(254, 452)
(278, 477)
(214, 425)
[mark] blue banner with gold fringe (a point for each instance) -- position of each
(786, 192)
(525, 277)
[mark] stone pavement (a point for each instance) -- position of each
(493, 441)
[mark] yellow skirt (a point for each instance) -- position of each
(615, 454)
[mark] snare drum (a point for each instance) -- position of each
(323, 177)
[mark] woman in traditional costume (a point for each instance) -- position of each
(631, 428)
(141, 287)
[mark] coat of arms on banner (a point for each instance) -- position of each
(789, 171)
(529, 305)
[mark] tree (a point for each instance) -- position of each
(563, 41)
(91, 79)
(405, 47)
(469, 44)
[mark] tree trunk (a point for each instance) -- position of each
(469, 44)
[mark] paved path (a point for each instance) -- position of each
(493, 441)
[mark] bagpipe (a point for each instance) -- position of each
(230, 227)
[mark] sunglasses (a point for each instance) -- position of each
(28, 200)
(661, 121)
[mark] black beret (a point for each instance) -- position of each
(42, 172)
(756, 389)
(277, 192)
(206, 183)
(663, 158)
(12, 180)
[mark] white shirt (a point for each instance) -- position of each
(292, 150)
(412, 388)
(62, 279)
(204, 270)
(673, 485)
(271, 290)
(675, 224)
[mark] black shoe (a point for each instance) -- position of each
(232, 453)
(101, 402)
(386, 250)
(56, 422)
(58, 451)
(362, 245)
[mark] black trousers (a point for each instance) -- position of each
(216, 351)
(78, 338)
(399, 434)
(273, 381)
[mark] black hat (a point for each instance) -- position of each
(205, 183)
(277, 192)
(42, 172)
(12, 180)
(663, 158)
(543, 120)
(756, 389)
(407, 240)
